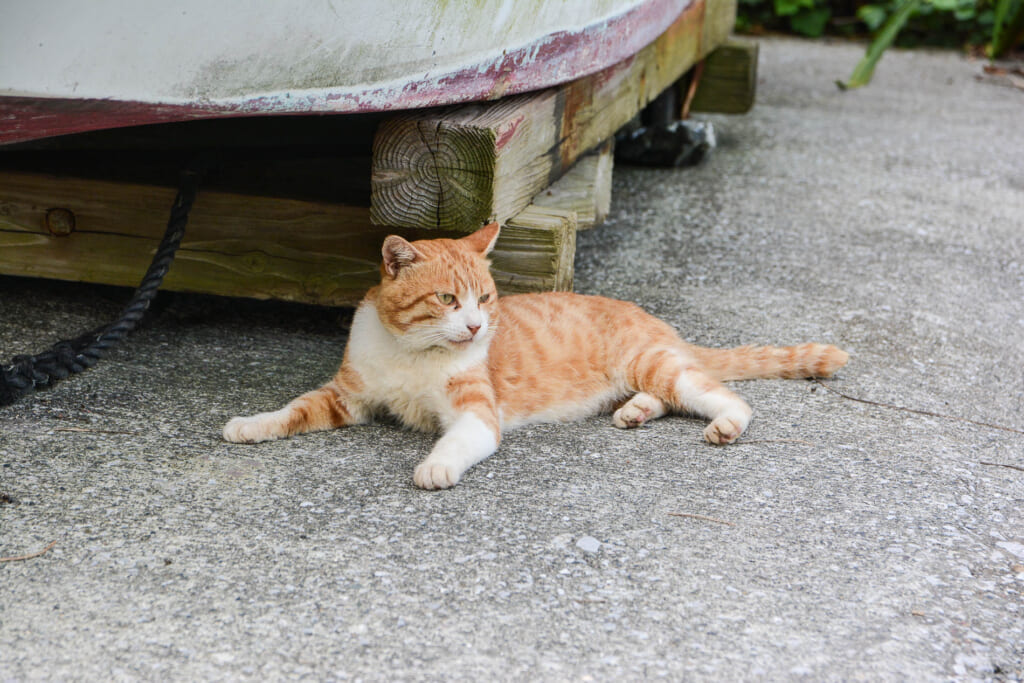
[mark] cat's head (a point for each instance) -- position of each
(439, 293)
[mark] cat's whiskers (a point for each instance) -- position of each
(434, 336)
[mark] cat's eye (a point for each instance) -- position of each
(446, 299)
(485, 298)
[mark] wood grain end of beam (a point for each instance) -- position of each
(432, 173)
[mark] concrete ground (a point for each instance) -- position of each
(847, 541)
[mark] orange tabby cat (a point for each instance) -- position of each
(432, 346)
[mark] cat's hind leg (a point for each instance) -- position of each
(641, 408)
(671, 376)
(702, 394)
(324, 408)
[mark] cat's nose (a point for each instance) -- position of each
(473, 329)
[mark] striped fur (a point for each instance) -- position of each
(432, 346)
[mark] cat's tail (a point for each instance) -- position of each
(769, 362)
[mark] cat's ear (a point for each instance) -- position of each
(397, 254)
(483, 239)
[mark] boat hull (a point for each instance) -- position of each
(66, 67)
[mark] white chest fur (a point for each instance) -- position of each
(408, 384)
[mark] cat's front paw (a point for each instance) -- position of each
(466, 443)
(251, 429)
(433, 475)
(723, 430)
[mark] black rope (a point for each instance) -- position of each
(26, 373)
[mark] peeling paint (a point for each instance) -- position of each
(506, 132)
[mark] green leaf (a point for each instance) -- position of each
(785, 8)
(945, 5)
(1009, 26)
(965, 10)
(811, 23)
(866, 67)
(872, 15)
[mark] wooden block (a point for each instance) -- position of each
(237, 245)
(536, 251)
(459, 167)
(585, 189)
(728, 84)
(234, 245)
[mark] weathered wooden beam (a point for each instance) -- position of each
(458, 167)
(236, 245)
(728, 83)
(585, 189)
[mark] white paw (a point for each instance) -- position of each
(434, 475)
(642, 408)
(251, 429)
(724, 430)
(629, 416)
(467, 442)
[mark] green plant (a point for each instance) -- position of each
(883, 39)
(945, 23)
(805, 17)
(1005, 25)
(906, 23)
(1008, 30)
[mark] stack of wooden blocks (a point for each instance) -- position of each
(307, 226)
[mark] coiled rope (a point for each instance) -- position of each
(25, 374)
